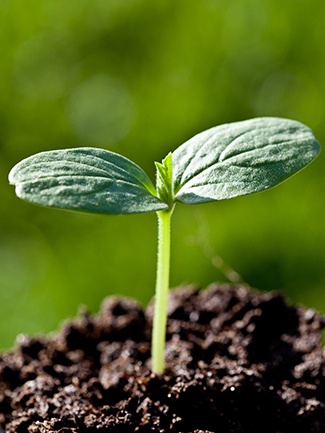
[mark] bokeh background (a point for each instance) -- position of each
(140, 77)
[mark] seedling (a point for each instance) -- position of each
(220, 163)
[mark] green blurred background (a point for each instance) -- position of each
(139, 77)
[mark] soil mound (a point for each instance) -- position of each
(237, 360)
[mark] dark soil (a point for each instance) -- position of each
(237, 360)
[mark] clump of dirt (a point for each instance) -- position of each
(237, 360)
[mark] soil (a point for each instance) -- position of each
(237, 360)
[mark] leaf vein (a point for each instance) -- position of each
(228, 160)
(115, 181)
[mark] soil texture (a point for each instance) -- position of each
(237, 360)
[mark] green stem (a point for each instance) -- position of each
(162, 286)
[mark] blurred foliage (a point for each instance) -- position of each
(140, 77)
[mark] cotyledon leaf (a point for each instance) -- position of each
(241, 158)
(85, 179)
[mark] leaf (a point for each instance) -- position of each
(165, 180)
(85, 179)
(241, 158)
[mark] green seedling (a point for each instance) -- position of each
(221, 163)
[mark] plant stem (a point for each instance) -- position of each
(162, 287)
